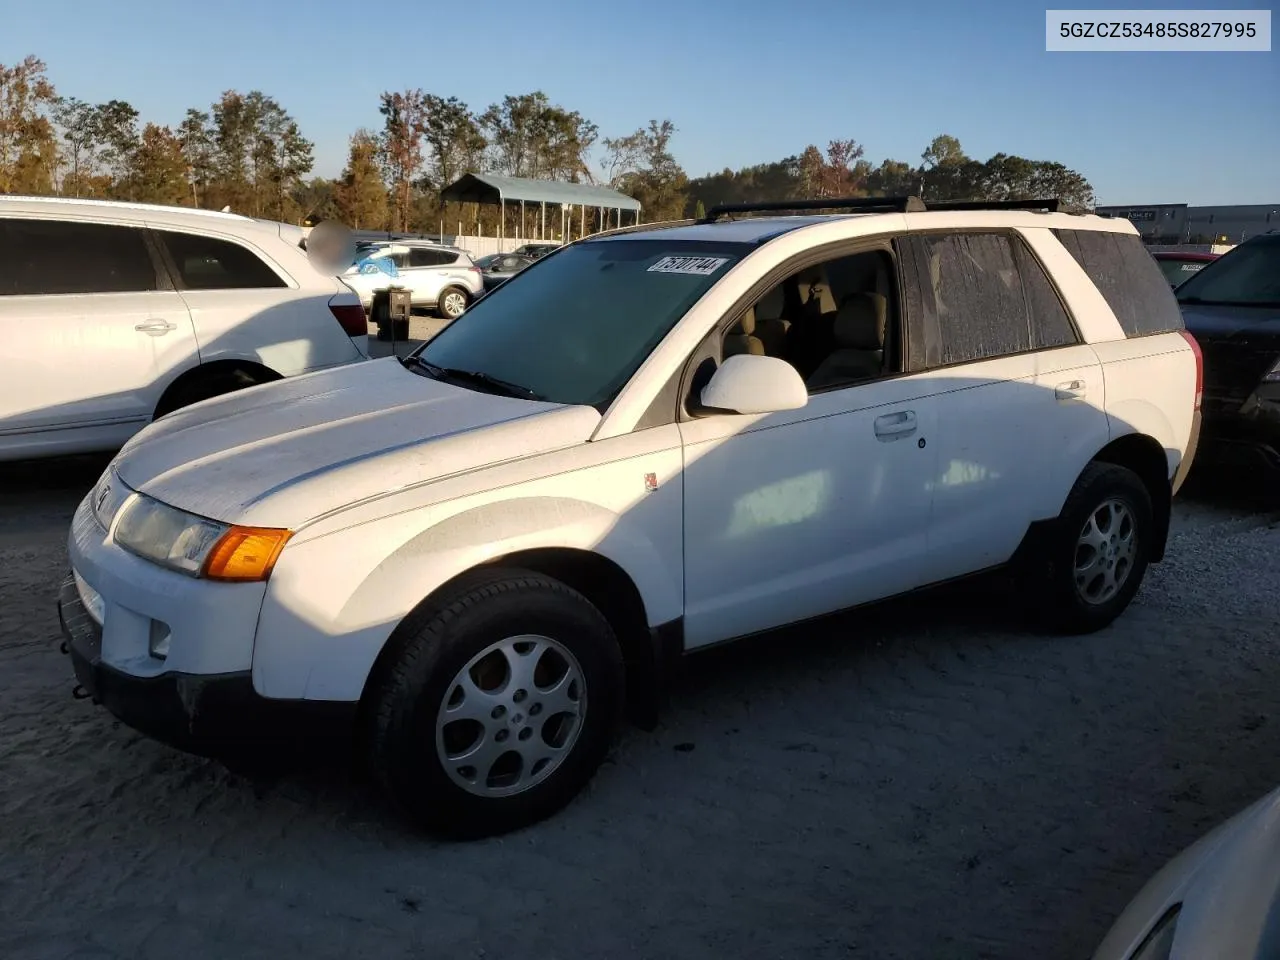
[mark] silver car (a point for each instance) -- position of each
(1218, 898)
(439, 278)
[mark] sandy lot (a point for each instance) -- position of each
(924, 781)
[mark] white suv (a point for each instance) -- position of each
(651, 440)
(439, 278)
(113, 314)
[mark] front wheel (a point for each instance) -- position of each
(499, 706)
(453, 302)
(1099, 551)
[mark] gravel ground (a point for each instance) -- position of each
(922, 780)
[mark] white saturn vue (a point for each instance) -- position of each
(653, 440)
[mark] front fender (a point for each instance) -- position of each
(334, 601)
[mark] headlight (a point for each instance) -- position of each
(1159, 942)
(1272, 375)
(197, 546)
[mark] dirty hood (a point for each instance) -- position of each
(287, 452)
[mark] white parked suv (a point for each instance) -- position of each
(651, 440)
(439, 278)
(113, 314)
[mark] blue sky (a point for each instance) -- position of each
(745, 81)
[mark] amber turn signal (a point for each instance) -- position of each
(246, 553)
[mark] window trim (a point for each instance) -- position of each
(162, 250)
(1016, 240)
(164, 280)
(711, 346)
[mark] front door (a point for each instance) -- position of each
(798, 514)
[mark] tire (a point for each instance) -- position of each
(1084, 586)
(474, 633)
(205, 387)
(380, 315)
(452, 303)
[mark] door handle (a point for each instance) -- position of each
(894, 425)
(156, 328)
(1075, 390)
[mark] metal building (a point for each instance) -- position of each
(1178, 223)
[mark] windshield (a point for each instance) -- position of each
(485, 261)
(1176, 271)
(1248, 276)
(575, 327)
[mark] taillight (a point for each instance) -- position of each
(351, 318)
(1195, 349)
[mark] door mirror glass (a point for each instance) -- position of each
(749, 383)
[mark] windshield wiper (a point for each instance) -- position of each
(494, 384)
(1199, 302)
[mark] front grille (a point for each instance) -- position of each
(1232, 368)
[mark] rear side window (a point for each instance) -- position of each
(419, 257)
(1127, 277)
(205, 263)
(67, 257)
(1051, 325)
(966, 290)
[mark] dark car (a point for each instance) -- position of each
(536, 251)
(1179, 267)
(497, 268)
(1232, 308)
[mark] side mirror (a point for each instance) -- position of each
(747, 383)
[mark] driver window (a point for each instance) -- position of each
(837, 322)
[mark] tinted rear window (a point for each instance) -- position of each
(1127, 277)
(205, 263)
(1176, 271)
(66, 256)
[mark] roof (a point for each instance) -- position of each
(752, 230)
(134, 212)
(491, 188)
(760, 229)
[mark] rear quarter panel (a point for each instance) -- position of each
(288, 329)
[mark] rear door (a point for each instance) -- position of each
(1011, 414)
(91, 331)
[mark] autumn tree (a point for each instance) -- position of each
(404, 123)
(28, 141)
(158, 170)
(360, 194)
(644, 167)
(198, 152)
(529, 136)
(77, 121)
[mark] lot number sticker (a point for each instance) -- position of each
(697, 266)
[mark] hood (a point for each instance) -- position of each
(1228, 884)
(287, 452)
(1225, 321)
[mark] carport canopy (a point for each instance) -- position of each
(495, 190)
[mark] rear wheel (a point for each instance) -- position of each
(498, 707)
(205, 386)
(1099, 552)
(453, 302)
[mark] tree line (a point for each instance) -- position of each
(246, 152)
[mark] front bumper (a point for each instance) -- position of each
(1244, 434)
(207, 714)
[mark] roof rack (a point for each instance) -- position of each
(1051, 205)
(862, 204)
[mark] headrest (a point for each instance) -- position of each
(772, 305)
(860, 322)
(815, 292)
(746, 325)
